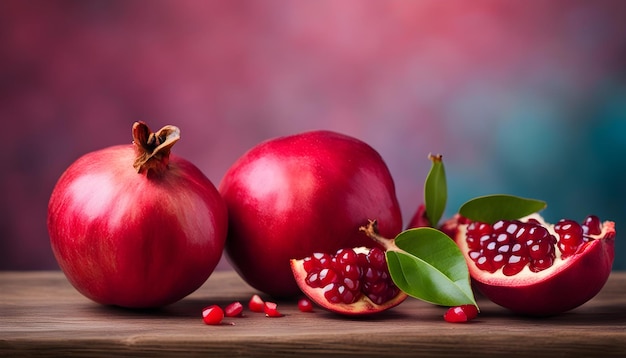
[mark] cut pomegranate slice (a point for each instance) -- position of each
(535, 268)
(353, 281)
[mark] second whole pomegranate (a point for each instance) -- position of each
(292, 196)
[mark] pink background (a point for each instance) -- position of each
(521, 97)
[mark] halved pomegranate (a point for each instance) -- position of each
(353, 281)
(535, 268)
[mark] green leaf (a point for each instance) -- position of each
(430, 267)
(491, 208)
(435, 190)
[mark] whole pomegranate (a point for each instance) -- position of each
(535, 268)
(134, 226)
(292, 196)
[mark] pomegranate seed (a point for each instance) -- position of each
(519, 249)
(271, 310)
(536, 233)
(347, 257)
(461, 313)
(539, 250)
(571, 236)
(592, 225)
(308, 263)
(376, 258)
(321, 259)
(256, 304)
(484, 264)
(305, 305)
(514, 265)
(234, 309)
(541, 264)
(371, 275)
(498, 261)
(212, 315)
(352, 284)
(490, 250)
(327, 276)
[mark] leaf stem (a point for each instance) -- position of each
(371, 230)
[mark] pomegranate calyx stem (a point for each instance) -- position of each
(435, 157)
(153, 149)
(371, 230)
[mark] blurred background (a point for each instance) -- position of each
(524, 98)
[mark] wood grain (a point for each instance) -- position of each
(41, 314)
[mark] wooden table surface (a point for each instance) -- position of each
(42, 315)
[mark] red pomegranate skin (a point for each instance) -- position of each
(292, 196)
(124, 239)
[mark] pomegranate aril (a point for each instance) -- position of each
(592, 225)
(339, 294)
(347, 257)
(376, 258)
(519, 249)
(491, 250)
(461, 313)
(376, 288)
(256, 304)
(539, 250)
(271, 310)
(352, 284)
(502, 239)
(499, 226)
(570, 236)
(331, 294)
(536, 233)
(512, 227)
(313, 279)
(234, 309)
(541, 264)
(504, 249)
(347, 296)
(308, 264)
(321, 259)
(514, 265)
(484, 240)
(484, 264)
(212, 315)
(377, 299)
(327, 276)
(498, 261)
(567, 250)
(371, 275)
(305, 305)
(473, 243)
(573, 240)
(351, 271)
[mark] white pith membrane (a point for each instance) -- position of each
(363, 305)
(526, 276)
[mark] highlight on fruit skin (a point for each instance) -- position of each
(535, 268)
(353, 281)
